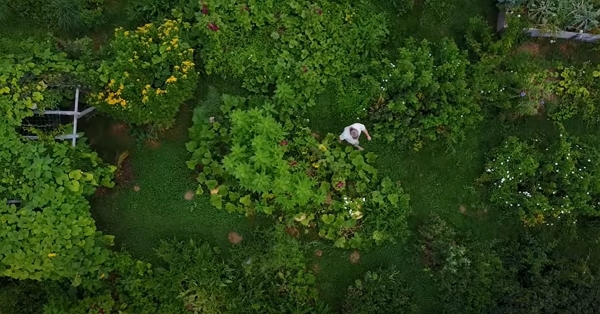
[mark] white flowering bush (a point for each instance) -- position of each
(543, 185)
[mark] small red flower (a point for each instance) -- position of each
(304, 69)
(340, 185)
(213, 27)
(283, 143)
(293, 163)
(204, 9)
(246, 8)
(319, 11)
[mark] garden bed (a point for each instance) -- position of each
(535, 32)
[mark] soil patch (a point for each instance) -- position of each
(124, 173)
(531, 48)
(119, 129)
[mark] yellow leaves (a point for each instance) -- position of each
(315, 165)
(214, 191)
(111, 83)
(322, 147)
(126, 33)
(171, 79)
(160, 91)
(102, 276)
(147, 86)
(4, 90)
(126, 74)
(145, 99)
(174, 41)
(51, 255)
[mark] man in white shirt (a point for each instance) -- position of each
(352, 133)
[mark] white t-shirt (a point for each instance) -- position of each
(346, 136)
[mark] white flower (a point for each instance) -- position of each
(211, 119)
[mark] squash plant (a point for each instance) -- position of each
(251, 163)
(300, 44)
(49, 233)
(150, 75)
(425, 95)
(544, 184)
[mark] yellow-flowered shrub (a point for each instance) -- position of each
(150, 75)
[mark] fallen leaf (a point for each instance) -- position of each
(354, 257)
(214, 191)
(189, 195)
(234, 238)
(136, 188)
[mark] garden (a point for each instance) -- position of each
(203, 169)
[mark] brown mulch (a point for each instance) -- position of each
(531, 48)
(124, 174)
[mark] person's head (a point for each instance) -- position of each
(354, 133)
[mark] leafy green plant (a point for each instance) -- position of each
(250, 163)
(542, 185)
(515, 83)
(466, 274)
(150, 76)
(425, 95)
(266, 273)
(49, 232)
(379, 292)
(576, 87)
(585, 16)
(294, 47)
(33, 75)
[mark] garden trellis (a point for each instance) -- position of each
(49, 119)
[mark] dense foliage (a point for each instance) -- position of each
(296, 47)
(251, 163)
(33, 75)
(49, 232)
(425, 95)
(61, 15)
(150, 76)
(544, 184)
(466, 275)
(557, 15)
(383, 291)
(266, 275)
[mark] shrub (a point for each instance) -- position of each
(425, 95)
(267, 274)
(511, 81)
(72, 16)
(150, 75)
(383, 291)
(544, 185)
(33, 75)
(250, 163)
(576, 87)
(50, 233)
(302, 45)
(467, 274)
